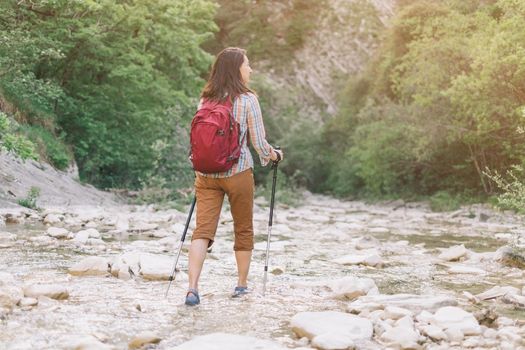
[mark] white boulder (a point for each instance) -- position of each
(52, 291)
(451, 317)
(370, 259)
(352, 287)
(453, 253)
(412, 302)
(320, 326)
(57, 232)
(91, 266)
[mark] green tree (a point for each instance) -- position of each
(106, 74)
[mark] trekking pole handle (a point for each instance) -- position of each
(277, 148)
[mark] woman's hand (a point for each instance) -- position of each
(277, 155)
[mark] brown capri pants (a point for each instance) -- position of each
(210, 195)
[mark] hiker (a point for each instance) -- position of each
(228, 85)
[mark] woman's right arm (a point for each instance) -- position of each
(256, 130)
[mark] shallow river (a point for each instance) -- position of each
(305, 241)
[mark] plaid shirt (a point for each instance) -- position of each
(247, 113)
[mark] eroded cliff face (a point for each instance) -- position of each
(346, 36)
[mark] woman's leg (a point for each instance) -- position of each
(196, 260)
(240, 189)
(243, 266)
(209, 203)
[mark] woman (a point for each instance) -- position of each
(229, 80)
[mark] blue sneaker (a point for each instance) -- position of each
(192, 297)
(239, 291)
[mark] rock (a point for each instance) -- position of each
(10, 292)
(483, 217)
(350, 288)
(473, 342)
(341, 326)
(360, 259)
(143, 339)
(52, 291)
(434, 332)
(412, 302)
(486, 317)
(215, 341)
(277, 271)
(156, 267)
(518, 300)
(42, 240)
(126, 264)
(395, 313)
(405, 321)
(450, 317)
(24, 302)
(454, 335)
(52, 219)
(424, 317)
(471, 298)
(91, 266)
(329, 341)
(57, 232)
(83, 236)
(401, 337)
(381, 327)
(510, 334)
(496, 292)
(453, 253)
(511, 256)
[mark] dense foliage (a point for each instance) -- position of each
(269, 30)
(441, 103)
(112, 79)
(439, 111)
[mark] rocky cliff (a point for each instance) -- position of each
(346, 35)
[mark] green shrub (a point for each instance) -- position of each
(11, 141)
(30, 200)
(51, 148)
(513, 187)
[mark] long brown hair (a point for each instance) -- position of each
(225, 78)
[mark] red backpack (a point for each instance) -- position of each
(214, 138)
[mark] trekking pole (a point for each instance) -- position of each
(181, 243)
(270, 221)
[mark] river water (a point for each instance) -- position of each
(305, 241)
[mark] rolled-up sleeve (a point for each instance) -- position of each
(256, 130)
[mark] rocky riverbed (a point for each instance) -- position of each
(342, 275)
